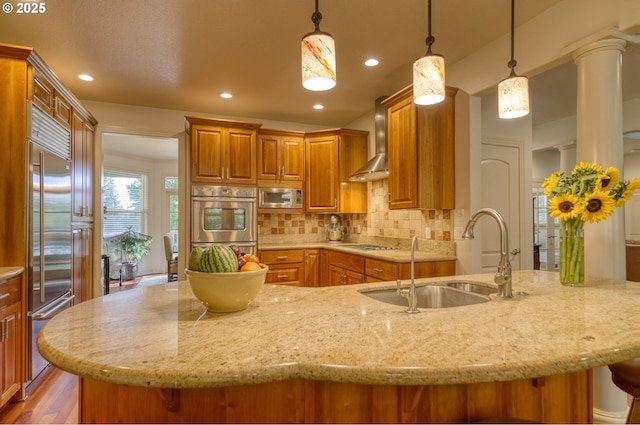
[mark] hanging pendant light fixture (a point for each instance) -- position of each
(318, 57)
(513, 92)
(428, 74)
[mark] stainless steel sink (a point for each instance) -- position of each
(430, 296)
(473, 287)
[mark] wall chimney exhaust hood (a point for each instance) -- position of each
(376, 168)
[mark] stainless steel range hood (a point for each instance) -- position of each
(376, 168)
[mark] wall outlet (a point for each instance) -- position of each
(427, 232)
(358, 228)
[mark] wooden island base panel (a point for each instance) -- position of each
(553, 399)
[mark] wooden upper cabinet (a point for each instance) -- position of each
(421, 152)
(402, 154)
(42, 92)
(280, 156)
(82, 135)
(331, 156)
(222, 151)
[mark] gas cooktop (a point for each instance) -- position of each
(367, 247)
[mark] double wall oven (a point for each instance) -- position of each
(224, 214)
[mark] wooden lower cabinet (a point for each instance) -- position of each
(285, 266)
(562, 398)
(11, 339)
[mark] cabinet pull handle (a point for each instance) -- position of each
(222, 173)
(335, 202)
(377, 270)
(3, 296)
(282, 276)
(282, 257)
(228, 174)
(282, 174)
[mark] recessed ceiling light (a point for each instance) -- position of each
(226, 95)
(371, 62)
(318, 106)
(85, 77)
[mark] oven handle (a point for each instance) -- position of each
(222, 199)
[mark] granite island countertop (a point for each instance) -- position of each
(161, 336)
(398, 255)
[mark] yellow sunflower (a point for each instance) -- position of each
(585, 168)
(597, 206)
(627, 193)
(565, 206)
(609, 178)
(551, 183)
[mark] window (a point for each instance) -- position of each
(171, 196)
(124, 199)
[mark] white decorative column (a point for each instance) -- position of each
(567, 158)
(599, 140)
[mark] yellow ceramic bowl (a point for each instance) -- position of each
(226, 292)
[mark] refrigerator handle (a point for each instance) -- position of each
(60, 304)
(42, 256)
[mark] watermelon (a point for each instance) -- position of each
(218, 259)
(194, 259)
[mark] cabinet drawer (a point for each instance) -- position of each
(286, 274)
(9, 291)
(381, 270)
(282, 256)
(351, 262)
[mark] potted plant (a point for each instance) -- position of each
(133, 246)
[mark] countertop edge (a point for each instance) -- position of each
(8, 272)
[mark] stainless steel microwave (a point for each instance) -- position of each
(280, 198)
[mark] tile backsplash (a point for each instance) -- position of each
(380, 226)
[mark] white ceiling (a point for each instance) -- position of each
(180, 54)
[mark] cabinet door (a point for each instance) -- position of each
(82, 174)
(207, 154)
(311, 267)
(402, 154)
(10, 352)
(62, 110)
(268, 164)
(435, 127)
(82, 273)
(292, 158)
(340, 276)
(42, 92)
(241, 156)
(322, 174)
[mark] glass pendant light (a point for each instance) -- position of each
(318, 57)
(513, 92)
(428, 74)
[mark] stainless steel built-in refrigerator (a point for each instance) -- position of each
(49, 256)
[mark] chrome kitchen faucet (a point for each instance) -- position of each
(410, 294)
(503, 277)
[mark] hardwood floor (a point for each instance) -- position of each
(53, 401)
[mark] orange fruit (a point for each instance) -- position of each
(251, 258)
(250, 267)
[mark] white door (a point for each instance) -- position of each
(501, 190)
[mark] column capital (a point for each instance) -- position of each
(599, 46)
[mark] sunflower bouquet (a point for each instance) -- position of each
(591, 193)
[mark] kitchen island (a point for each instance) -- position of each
(331, 354)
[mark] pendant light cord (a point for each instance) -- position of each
(512, 63)
(316, 17)
(430, 38)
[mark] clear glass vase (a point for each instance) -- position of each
(572, 253)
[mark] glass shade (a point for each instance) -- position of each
(428, 80)
(513, 97)
(318, 61)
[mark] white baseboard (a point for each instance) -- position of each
(604, 417)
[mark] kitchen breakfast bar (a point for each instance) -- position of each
(331, 354)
